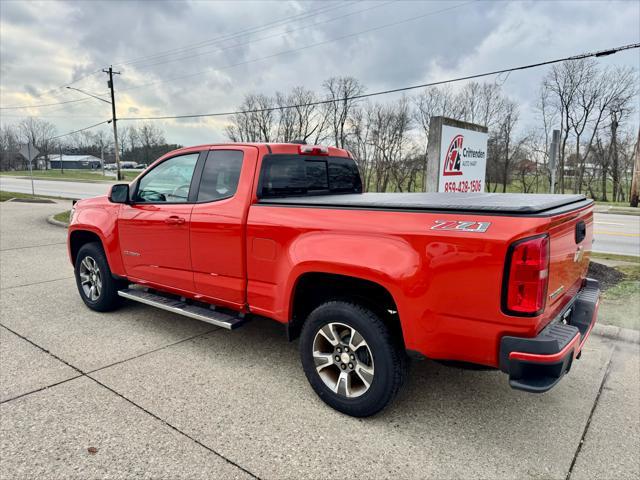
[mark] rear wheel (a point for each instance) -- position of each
(96, 285)
(351, 359)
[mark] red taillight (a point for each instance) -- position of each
(313, 150)
(527, 271)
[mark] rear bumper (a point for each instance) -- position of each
(537, 364)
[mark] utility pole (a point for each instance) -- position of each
(61, 165)
(110, 72)
(636, 173)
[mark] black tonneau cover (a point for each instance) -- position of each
(496, 203)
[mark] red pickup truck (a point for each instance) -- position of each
(226, 233)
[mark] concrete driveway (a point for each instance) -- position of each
(144, 393)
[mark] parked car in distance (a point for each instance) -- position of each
(128, 165)
(225, 233)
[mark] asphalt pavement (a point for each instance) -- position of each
(55, 188)
(144, 393)
(618, 234)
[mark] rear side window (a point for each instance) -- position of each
(220, 175)
(291, 175)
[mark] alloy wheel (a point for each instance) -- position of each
(343, 359)
(90, 278)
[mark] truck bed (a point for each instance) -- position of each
(485, 203)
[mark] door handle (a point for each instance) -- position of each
(174, 220)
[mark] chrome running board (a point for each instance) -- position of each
(182, 308)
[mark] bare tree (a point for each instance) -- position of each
(431, 103)
(340, 90)
(540, 139)
(298, 119)
(150, 136)
(361, 143)
(620, 91)
(9, 146)
(395, 163)
(510, 151)
(103, 140)
(583, 96)
(38, 132)
(257, 124)
(562, 83)
(132, 137)
(480, 103)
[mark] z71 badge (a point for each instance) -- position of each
(458, 225)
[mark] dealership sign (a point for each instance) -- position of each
(457, 156)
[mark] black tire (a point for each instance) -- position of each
(389, 358)
(108, 298)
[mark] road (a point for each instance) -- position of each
(54, 188)
(619, 234)
(145, 393)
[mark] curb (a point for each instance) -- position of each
(616, 210)
(57, 223)
(617, 333)
(30, 200)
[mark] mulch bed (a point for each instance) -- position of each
(607, 276)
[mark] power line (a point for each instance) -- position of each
(43, 105)
(51, 116)
(600, 53)
(185, 49)
(260, 39)
(42, 94)
(80, 130)
(284, 52)
(19, 107)
(230, 36)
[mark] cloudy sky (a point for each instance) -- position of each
(204, 56)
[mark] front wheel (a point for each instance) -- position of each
(351, 359)
(97, 287)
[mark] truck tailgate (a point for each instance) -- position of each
(571, 236)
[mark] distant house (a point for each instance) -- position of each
(75, 162)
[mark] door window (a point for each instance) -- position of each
(220, 175)
(169, 182)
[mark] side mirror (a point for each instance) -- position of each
(119, 193)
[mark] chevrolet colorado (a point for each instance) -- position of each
(225, 233)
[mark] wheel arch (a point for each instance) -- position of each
(81, 235)
(78, 238)
(313, 288)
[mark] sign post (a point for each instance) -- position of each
(30, 152)
(457, 156)
(553, 155)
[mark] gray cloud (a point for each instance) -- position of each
(45, 45)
